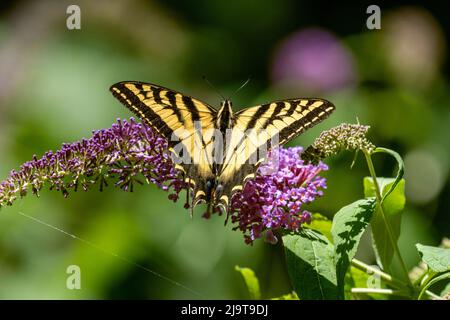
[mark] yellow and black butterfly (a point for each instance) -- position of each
(214, 176)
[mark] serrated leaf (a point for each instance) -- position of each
(251, 281)
(310, 263)
(437, 259)
(349, 224)
(393, 204)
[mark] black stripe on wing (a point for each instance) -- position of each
(140, 109)
(303, 123)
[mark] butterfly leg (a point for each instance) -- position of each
(194, 188)
(207, 213)
(189, 187)
(193, 204)
(228, 215)
(188, 190)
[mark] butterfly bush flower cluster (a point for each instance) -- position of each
(275, 201)
(343, 137)
(130, 152)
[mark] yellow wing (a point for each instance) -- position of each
(185, 122)
(267, 125)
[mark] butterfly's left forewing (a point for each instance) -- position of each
(185, 122)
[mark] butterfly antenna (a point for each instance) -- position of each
(242, 86)
(214, 88)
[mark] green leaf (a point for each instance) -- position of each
(321, 224)
(436, 279)
(251, 281)
(437, 259)
(446, 290)
(400, 172)
(349, 283)
(393, 204)
(310, 263)
(356, 278)
(289, 296)
(349, 224)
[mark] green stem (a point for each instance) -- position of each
(373, 290)
(426, 286)
(386, 277)
(387, 224)
(432, 295)
(383, 275)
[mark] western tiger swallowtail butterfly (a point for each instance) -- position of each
(214, 173)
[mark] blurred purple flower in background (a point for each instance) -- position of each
(414, 46)
(130, 152)
(313, 60)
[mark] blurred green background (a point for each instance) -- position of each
(54, 88)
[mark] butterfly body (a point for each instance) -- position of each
(224, 121)
(218, 150)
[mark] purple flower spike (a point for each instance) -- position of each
(274, 202)
(126, 151)
(130, 152)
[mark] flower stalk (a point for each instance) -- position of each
(386, 222)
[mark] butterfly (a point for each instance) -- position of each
(215, 171)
